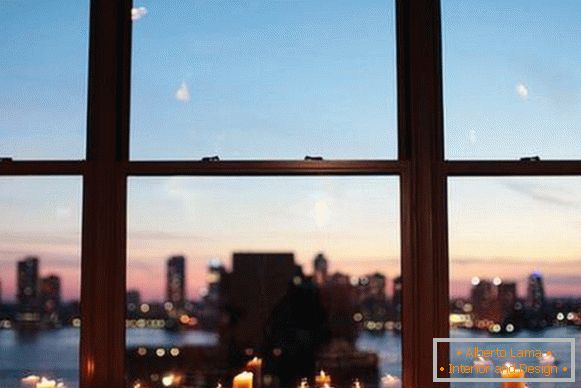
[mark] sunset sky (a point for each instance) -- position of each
(285, 79)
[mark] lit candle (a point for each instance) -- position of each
(356, 384)
(304, 383)
(321, 379)
(255, 366)
(510, 372)
(44, 383)
(30, 381)
(243, 380)
(389, 381)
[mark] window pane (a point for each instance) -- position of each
(43, 73)
(40, 240)
(512, 79)
(263, 80)
(301, 272)
(515, 262)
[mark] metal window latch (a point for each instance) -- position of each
(215, 158)
(308, 157)
(531, 159)
(6, 159)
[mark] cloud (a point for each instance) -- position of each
(472, 136)
(138, 12)
(522, 90)
(63, 212)
(183, 93)
(545, 194)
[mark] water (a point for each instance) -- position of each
(55, 353)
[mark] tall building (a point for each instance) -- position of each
(535, 291)
(396, 295)
(50, 298)
(27, 291)
(320, 269)
(176, 278)
(133, 300)
(377, 284)
(216, 271)
(507, 297)
(209, 310)
(483, 298)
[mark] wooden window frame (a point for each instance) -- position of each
(421, 168)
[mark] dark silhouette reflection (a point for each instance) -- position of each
(267, 307)
(296, 332)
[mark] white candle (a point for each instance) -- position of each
(30, 381)
(304, 383)
(243, 380)
(255, 366)
(321, 379)
(44, 383)
(389, 381)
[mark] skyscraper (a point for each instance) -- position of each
(321, 268)
(483, 298)
(176, 277)
(27, 291)
(506, 297)
(50, 298)
(396, 296)
(133, 299)
(535, 291)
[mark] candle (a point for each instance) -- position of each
(304, 383)
(243, 380)
(389, 381)
(30, 381)
(510, 372)
(356, 384)
(255, 366)
(44, 383)
(321, 379)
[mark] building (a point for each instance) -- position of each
(133, 300)
(27, 295)
(535, 292)
(176, 281)
(320, 269)
(50, 299)
(396, 295)
(209, 310)
(483, 298)
(507, 297)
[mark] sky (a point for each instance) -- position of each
(281, 80)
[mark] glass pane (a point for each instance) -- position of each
(263, 80)
(515, 264)
(299, 272)
(40, 249)
(512, 79)
(43, 73)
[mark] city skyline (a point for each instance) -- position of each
(297, 78)
(174, 292)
